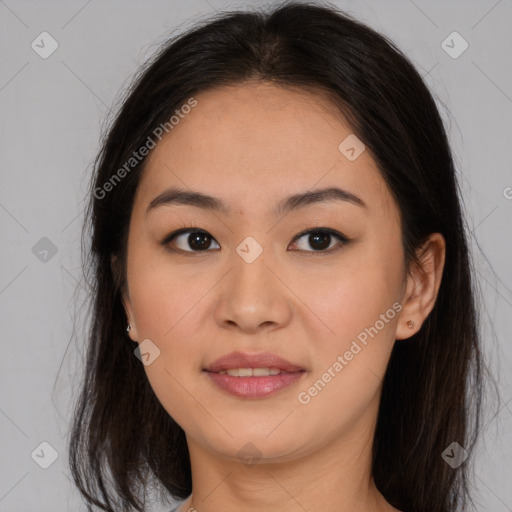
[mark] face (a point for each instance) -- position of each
(319, 282)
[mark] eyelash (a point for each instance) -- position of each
(343, 240)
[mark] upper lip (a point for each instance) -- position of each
(245, 360)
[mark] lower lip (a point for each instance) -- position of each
(254, 387)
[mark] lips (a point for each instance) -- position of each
(245, 360)
(253, 375)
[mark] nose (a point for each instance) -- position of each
(252, 298)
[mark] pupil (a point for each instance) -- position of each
(197, 241)
(320, 236)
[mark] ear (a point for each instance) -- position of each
(422, 287)
(125, 297)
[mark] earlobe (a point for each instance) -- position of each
(423, 283)
(131, 332)
(125, 299)
(131, 327)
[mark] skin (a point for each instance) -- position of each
(251, 145)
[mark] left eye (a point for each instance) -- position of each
(320, 239)
(196, 238)
(199, 240)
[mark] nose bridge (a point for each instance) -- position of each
(251, 295)
(250, 272)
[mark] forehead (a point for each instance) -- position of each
(254, 143)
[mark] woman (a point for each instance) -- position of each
(276, 224)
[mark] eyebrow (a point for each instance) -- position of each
(174, 196)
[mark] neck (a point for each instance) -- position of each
(336, 477)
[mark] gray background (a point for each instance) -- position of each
(52, 111)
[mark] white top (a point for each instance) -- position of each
(177, 505)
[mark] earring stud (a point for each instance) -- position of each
(128, 328)
(410, 324)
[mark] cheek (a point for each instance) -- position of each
(166, 306)
(164, 303)
(349, 296)
(169, 304)
(349, 365)
(161, 292)
(358, 307)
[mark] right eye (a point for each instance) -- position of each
(194, 238)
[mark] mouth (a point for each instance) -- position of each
(258, 361)
(252, 372)
(253, 375)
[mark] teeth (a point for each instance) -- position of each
(260, 372)
(251, 372)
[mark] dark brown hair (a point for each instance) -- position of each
(122, 438)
